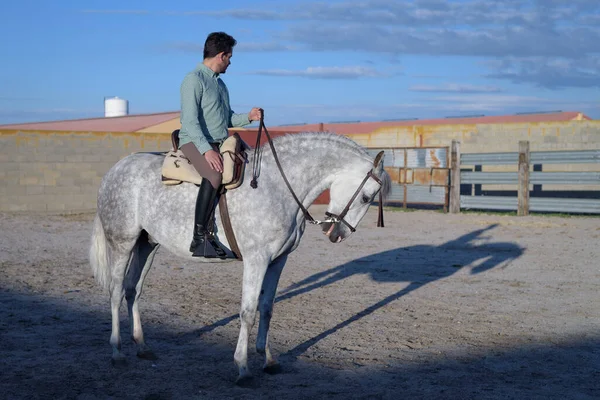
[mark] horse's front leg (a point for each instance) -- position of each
(267, 297)
(254, 273)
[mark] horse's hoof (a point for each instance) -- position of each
(147, 354)
(272, 369)
(119, 361)
(245, 381)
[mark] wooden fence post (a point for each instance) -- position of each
(523, 193)
(455, 177)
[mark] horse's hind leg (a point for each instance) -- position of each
(120, 257)
(267, 297)
(254, 273)
(140, 263)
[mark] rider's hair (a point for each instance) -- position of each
(218, 42)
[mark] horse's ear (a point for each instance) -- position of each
(378, 159)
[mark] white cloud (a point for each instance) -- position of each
(438, 106)
(455, 88)
(509, 32)
(503, 103)
(265, 46)
(350, 72)
(553, 73)
(198, 48)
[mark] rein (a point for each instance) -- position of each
(333, 218)
(256, 164)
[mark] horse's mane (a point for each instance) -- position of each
(329, 140)
(326, 140)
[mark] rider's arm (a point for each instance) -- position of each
(236, 120)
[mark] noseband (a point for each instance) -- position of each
(333, 218)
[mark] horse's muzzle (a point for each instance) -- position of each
(334, 231)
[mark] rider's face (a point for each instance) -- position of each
(224, 61)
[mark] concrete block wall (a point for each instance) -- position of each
(489, 138)
(61, 171)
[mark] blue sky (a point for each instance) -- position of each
(304, 61)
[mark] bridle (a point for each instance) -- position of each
(332, 218)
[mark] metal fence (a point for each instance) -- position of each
(569, 203)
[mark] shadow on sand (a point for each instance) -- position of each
(61, 352)
(472, 250)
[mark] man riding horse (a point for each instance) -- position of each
(205, 116)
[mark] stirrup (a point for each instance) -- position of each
(221, 253)
(205, 249)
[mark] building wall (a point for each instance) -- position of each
(61, 171)
(493, 138)
(490, 138)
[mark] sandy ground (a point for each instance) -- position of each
(434, 306)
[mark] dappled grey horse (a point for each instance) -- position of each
(137, 213)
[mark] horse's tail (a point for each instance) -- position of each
(99, 255)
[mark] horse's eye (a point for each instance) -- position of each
(366, 199)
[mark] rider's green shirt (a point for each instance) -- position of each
(205, 110)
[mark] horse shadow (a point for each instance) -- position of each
(428, 264)
(473, 250)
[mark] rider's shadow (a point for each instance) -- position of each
(416, 265)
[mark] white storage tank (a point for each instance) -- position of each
(115, 107)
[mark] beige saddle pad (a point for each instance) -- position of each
(178, 168)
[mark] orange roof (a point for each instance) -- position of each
(368, 127)
(133, 123)
(129, 123)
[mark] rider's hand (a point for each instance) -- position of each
(255, 114)
(214, 160)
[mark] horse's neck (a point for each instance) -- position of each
(310, 166)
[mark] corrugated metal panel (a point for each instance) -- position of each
(565, 157)
(396, 193)
(536, 157)
(588, 206)
(427, 158)
(490, 178)
(566, 178)
(488, 202)
(417, 194)
(535, 178)
(489, 159)
(392, 157)
(540, 204)
(420, 176)
(425, 194)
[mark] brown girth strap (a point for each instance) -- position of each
(227, 227)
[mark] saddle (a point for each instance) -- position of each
(177, 168)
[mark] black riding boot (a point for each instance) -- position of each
(203, 244)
